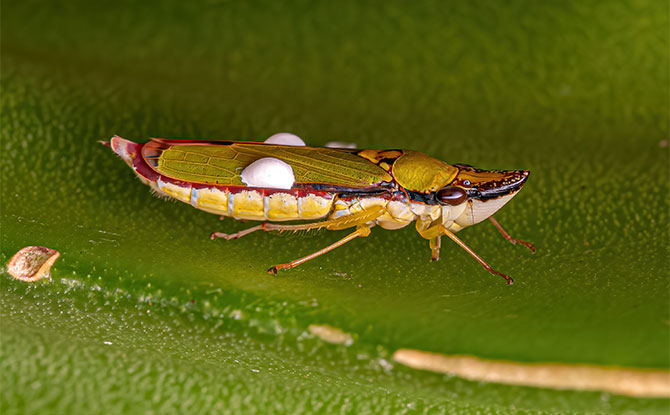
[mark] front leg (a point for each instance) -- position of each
(433, 232)
(435, 244)
(507, 236)
(483, 263)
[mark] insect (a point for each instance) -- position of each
(332, 188)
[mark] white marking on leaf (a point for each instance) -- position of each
(268, 172)
(331, 334)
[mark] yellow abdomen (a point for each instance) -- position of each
(280, 206)
(251, 204)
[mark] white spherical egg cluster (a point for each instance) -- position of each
(286, 139)
(268, 172)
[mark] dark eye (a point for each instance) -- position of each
(451, 195)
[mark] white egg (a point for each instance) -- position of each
(286, 139)
(268, 172)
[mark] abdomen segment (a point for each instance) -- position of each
(251, 204)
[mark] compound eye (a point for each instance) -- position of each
(451, 195)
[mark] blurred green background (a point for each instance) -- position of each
(145, 314)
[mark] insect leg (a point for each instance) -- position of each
(360, 231)
(268, 227)
(342, 222)
(483, 263)
(235, 235)
(432, 232)
(435, 244)
(507, 236)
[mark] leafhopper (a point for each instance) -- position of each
(331, 188)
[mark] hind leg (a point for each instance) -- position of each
(361, 231)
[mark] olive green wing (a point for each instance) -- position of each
(222, 162)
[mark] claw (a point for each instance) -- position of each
(273, 270)
(526, 244)
(508, 279)
(225, 236)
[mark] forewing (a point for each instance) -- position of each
(222, 163)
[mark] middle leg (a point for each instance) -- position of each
(342, 222)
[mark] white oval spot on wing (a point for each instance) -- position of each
(268, 172)
(286, 139)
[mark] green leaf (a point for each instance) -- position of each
(144, 314)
